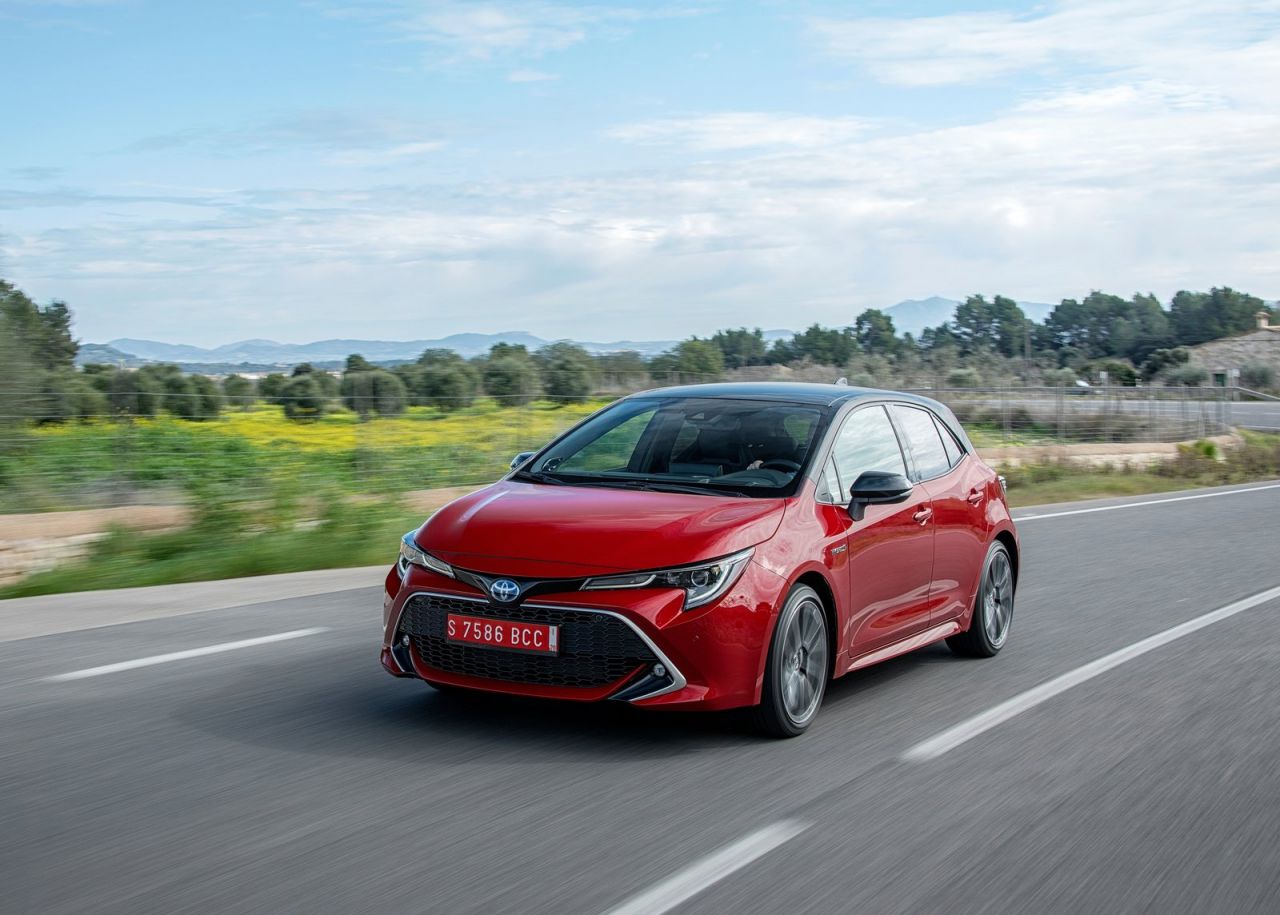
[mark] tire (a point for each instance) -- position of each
(797, 668)
(992, 608)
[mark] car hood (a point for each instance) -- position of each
(548, 531)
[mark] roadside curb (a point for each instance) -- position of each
(31, 617)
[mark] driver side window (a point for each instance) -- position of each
(866, 442)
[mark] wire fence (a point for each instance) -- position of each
(250, 450)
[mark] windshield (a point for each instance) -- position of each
(698, 444)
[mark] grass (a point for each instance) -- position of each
(256, 451)
(228, 542)
(1196, 465)
(272, 497)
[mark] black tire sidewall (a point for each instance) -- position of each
(776, 717)
(978, 626)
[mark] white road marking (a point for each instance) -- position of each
(684, 885)
(966, 730)
(183, 655)
(1112, 508)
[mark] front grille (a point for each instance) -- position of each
(596, 650)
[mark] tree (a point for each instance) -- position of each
(1162, 360)
(327, 383)
(358, 363)
(1198, 317)
(239, 391)
(35, 344)
(271, 387)
(512, 380)
(44, 334)
(206, 399)
(997, 326)
(66, 395)
(193, 397)
(874, 332)
(304, 399)
(701, 359)
(377, 391)
(823, 345)
(741, 347)
(624, 369)
(132, 394)
(442, 379)
(568, 371)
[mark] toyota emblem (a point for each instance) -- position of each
(504, 590)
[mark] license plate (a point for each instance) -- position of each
(538, 638)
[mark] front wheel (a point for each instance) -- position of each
(795, 676)
(993, 609)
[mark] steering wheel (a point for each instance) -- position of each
(781, 464)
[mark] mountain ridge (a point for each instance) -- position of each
(909, 316)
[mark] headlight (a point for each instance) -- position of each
(701, 584)
(410, 555)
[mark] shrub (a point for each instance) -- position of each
(1257, 375)
(964, 378)
(1186, 375)
(303, 398)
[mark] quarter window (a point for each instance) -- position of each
(949, 443)
(867, 442)
(928, 454)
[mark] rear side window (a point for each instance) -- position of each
(928, 454)
(867, 442)
(949, 443)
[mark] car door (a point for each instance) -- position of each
(958, 486)
(890, 551)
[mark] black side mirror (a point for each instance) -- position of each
(521, 458)
(877, 487)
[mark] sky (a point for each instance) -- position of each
(303, 169)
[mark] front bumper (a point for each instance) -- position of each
(638, 646)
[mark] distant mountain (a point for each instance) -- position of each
(914, 315)
(106, 355)
(269, 352)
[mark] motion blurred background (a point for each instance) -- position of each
(279, 280)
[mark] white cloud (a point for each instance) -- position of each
(743, 130)
(464, 30)
(1154, 169)
(1137, 35)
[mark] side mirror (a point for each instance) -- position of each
(876, 487)
(521, 458)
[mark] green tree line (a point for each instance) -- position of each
(1131, 339)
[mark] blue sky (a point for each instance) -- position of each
(203, 173)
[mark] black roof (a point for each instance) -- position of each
(789, 391)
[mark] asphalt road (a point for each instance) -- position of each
(294, 775)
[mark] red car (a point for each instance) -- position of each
(712, 547)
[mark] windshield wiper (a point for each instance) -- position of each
(535, 476)
(659, 486)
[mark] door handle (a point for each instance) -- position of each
(975, 496)
(922, 517)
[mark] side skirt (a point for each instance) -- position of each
(911, 643)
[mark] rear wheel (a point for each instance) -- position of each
(992, 611)
(795, 677)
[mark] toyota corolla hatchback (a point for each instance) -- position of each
(712, 547)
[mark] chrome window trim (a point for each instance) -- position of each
(678, 681)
